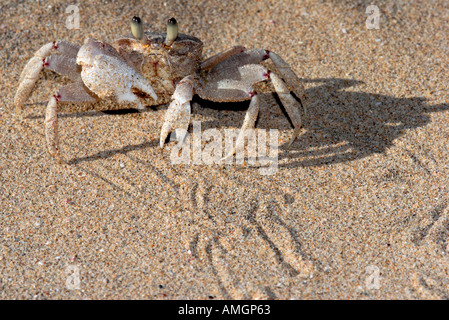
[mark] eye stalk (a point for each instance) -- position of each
(172, 31)
(137, 29)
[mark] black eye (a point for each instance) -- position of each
(137, 20)
(172, 21)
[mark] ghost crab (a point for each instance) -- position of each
(155, 68)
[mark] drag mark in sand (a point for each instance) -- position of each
(428, 288)
(418, 162)
(256, 230)
(436, 227)
(431, 235)
(290, 254)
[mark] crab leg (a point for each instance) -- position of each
(71, 93)
(287, 74)
(219, 57)
(64, 65)
(30, 73)
(290, 105)
(248, 123)
(250, 74)
(177, 116)
(289, 82)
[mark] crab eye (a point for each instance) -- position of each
(172, 31)
(137, 28)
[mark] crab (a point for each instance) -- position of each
(147, 69)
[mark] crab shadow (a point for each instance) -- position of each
(342, 124)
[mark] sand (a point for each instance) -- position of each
(358, 206)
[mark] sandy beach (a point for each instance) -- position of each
(357, 208)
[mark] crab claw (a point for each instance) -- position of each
(177, 117)
(107, 74)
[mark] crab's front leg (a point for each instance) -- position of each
(177, 116)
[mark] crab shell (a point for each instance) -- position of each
(163, 66)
